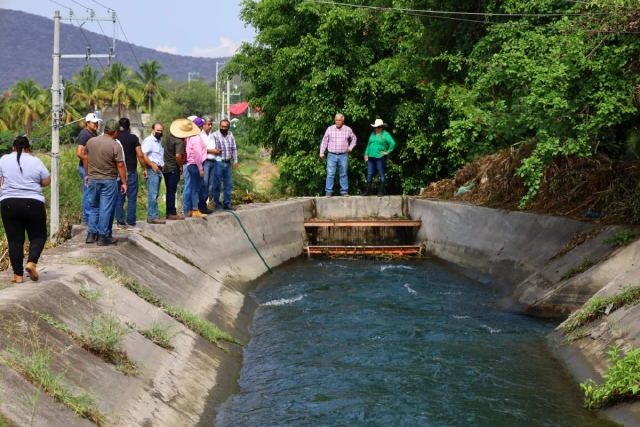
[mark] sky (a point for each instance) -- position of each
(196, 28)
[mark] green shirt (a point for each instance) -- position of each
(379, 143)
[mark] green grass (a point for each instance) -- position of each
(621, 380)
(597, 307)
(102, 336)
(4, 422)
(89, 293)
(33, 359)
(197, 324)
(586, 264)
(159, 334)
(621, 238)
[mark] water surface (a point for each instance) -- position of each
(371, 343)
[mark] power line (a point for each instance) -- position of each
(100, 4)
(89, 45)
(71, 38)
(66, 7)
(125, 37)
(104, 34)
(446, 12)
(74, 1)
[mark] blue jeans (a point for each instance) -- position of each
(153, 189)
(340, 161)
(86, 203)
(132, 195)
(374, 164)
(209, 178)
(171, 180)
(186, 191)
(195, 182)
(222, 176)
(102, 195)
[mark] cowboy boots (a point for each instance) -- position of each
(367, 192)
(381, 189)
(31, 271)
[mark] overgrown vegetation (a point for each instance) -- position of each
(103, 336)
(4, 422)
(622, 381)
(159, 334)
(600, 306)
(33, 360)
(202, 327)
(90, 294)
(586, 264)
(621, 238)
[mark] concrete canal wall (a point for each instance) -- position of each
(206, 267)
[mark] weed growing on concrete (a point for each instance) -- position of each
(32, 360)
(575, 335)
(4, 422)
(31, 402)
(586, 264)
(202, 327)
(89, 293)
(601, 306)
(159, 334)
(621, 238)
(103, 337)
(621, 381)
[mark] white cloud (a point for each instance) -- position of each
(227, 47)
(167, 49)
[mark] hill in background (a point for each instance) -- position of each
(26, 43)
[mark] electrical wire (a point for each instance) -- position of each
(59, 4)
(100, 4)
(89, 44)
(71, 38)
(125, 37)
(446, 12)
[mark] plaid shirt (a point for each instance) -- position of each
(337, 140)
(227, 145)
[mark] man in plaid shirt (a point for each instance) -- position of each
(339, 140)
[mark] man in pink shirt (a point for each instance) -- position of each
(339, 140)
(195, 153)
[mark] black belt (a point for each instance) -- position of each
(337, 154)
(225, 161)
(210, 160)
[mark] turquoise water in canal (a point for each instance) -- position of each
(377, 343)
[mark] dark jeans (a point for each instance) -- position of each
(379, 164)
(132, 195)
(18, 216)
(171, 180)
(195, 185)
(222, 177)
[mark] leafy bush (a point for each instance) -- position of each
(599, 306)
(621, 381)
(621, 238)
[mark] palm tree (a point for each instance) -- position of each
(28, 103)
(70, 113)
(4, 114)
(117, 80)
(86, 92)
(151, 80)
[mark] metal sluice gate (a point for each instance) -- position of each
(379, 237)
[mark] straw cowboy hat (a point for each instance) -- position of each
(379, 123)
(183, 128)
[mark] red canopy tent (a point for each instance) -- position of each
(239, 108)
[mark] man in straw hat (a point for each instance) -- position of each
(195, 152)
(378, 148)
(339, 140)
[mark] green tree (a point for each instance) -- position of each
(117, 79)
(151, 81)
(183, 100)
(86, 91)
(27, 104)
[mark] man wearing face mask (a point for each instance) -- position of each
(90, 131)
(226, 143)
(154, 161)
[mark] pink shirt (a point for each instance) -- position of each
(338, 140)
(196, 150)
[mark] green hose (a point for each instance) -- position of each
(252, 244)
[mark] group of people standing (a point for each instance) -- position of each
(339, 140)
(108, 171)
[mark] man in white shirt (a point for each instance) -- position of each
(212, 152)
(154, 162)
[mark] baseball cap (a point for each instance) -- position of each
(112, 126)
(91, 117)
(198, 122)
(192, 117)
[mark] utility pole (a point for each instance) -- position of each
(219, 92)
(54, 224)
(55, 130)
(192, 73)
(228, 99)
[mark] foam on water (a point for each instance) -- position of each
(411, 291)
(394, 267)
(283, 301)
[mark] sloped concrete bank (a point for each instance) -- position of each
(202, 266)
(528, 255)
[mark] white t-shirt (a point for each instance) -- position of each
(25, 184)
